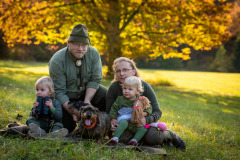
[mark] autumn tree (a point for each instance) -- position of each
(233, 45)
(234, 27)
(131, 28)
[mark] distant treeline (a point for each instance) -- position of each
(226, 58)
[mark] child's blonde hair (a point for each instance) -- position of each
(134, 81)
(47, 81)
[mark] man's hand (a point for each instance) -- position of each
(65, 105)
(90, 92)
(87, 102)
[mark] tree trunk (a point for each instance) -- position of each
(114, 51)
(114, 41)
(4, 48)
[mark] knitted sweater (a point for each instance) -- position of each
(115, 90)
(121, 102)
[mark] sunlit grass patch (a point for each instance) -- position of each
(27, 68)
(158, 82)
(155, 79)
(27, 71)
(206, 82)
(19, 64)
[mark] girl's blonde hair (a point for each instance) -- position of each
(124, 59)
(134, 81)
(47, 81)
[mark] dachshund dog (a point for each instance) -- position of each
(93, 124)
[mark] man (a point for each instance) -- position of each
(76, 71)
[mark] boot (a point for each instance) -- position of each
(177, 141)
(59, 133)
(36, 129)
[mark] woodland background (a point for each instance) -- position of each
(176, 35)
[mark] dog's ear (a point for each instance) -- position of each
(70, 108)
(97, 113)
(80, 111)
(97, 110)
(79, 115)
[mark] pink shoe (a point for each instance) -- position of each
(133, 142)
(114, 140)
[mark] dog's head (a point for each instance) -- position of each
(74, 107)
(89, 115)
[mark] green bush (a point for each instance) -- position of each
(222, 62)
(236, 53)
(160, 63)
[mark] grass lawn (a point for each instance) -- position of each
(203, 108)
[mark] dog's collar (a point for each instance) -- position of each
(89, 127)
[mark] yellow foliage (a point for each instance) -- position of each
(186, 50)
(133, 28)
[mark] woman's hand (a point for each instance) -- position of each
(114, 124)
(141, 122)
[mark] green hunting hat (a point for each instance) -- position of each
(79, 34)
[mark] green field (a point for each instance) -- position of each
(203, 108)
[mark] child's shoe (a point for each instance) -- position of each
(35, 129)
(61, 133)
(133, 142)
(114, 140)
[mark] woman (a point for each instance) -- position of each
(123, 68)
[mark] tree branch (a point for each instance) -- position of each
(100, 17)
(131, 17)
(63, 5)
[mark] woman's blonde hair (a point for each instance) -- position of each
(47, 81)
(124, 59)
(134, 81)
